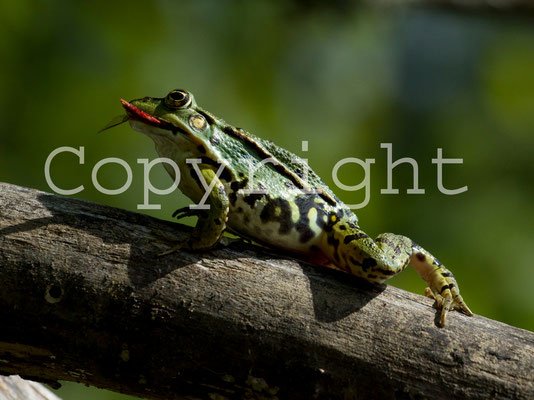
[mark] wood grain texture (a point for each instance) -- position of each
(84, 298)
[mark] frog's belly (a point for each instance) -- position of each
(277, 222)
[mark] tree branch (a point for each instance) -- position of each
(84, 298)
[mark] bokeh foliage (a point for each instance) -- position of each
(344, 78)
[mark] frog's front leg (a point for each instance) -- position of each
(187, 212)
(380, 259)
(211, 223)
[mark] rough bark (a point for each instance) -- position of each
(83, 297)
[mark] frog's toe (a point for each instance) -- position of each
(448, 300)
(459, 304)
(436, 297)
(188, 212)
(441, 303)
(445, 307)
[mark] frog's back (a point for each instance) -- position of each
(294, 221)
(289, 207)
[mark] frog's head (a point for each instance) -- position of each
(173, 116)
(175, 113)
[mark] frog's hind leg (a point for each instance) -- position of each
(443, 287)
(380, 259)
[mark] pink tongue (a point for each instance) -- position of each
(140, 114)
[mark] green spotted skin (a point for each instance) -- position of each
(269, 195)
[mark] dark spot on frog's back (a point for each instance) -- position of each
(194, 174)
(262, 187)
(305, 203)
(305, 234)
(326, 197)
(356, 236)
(354, 261)
(335, 244)
(385, 271)
(420, 256)
(252, 198)
(207, 160)
(289, 185)
(352, 225)
(269, 213)
(235, 186)
(201, 149)
(368, 263)
(225, 175)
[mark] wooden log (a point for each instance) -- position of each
(83, 297)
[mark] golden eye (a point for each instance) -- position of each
(198, 122)
(178, 98)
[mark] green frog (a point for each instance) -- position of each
(259, 191)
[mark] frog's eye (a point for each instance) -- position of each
(178, 99)
(198, 122)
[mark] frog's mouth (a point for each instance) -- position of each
(135, 113)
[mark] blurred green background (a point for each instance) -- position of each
(343, 77)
